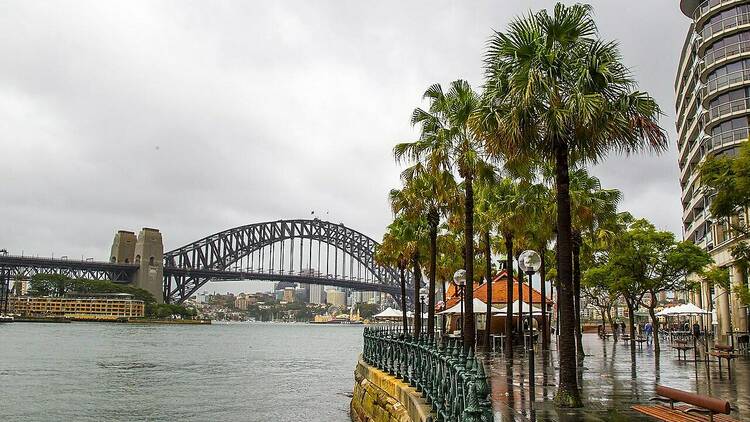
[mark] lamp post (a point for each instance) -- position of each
(422, 297)
(459, 279)
(530, 262)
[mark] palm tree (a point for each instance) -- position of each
(591, 207)
(447, 143)
(556, 93)
(426, 194)
(508, 212)
(538, 229)
(401, 246)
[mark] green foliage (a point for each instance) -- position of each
(61, 285)
(367, 310)
(743, 293)
(728, 178)
(717, 276)
(646, 260)
(166, 310)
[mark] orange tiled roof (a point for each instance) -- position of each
(499, 291)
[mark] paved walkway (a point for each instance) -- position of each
(611, 382)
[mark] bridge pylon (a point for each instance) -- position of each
(147, 251)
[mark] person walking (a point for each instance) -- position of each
(649, 329)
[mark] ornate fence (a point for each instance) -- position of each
(454, 383)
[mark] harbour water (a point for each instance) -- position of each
(220, 372)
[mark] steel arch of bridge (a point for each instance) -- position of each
(188, 268)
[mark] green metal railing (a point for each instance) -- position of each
(454, 383)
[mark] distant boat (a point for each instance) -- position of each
(6, 318)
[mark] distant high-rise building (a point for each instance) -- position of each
(317, 294)
(289, 294)
(336, 298)
(713, 106)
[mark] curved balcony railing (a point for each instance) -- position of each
(714, 57)
(712, 30)
(454, 383)
(730, 108)
(724, 82)
(704, 9)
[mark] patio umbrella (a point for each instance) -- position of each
(479, 308)
(689, 309)
(389, 313)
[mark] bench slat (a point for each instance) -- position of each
(666, 414)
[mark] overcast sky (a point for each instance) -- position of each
(194, 117)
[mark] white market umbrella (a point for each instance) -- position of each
(389, 313)
(526, 309)
(690, 309)
(479, 308)
(668, 311)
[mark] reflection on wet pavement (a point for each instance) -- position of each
(612, 380)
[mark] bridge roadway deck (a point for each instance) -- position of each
(121, 272)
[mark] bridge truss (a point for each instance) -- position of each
(304, 251)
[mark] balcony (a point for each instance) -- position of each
(707, 9)
(720, 56)
(722, 28)
(724, 83)
(725, 111)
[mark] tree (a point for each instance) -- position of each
(427, 194)
(592, 207)
(601, 296)
(446, 142)
(645, 261)
(727, 180)
(400, 247)
(555, 93)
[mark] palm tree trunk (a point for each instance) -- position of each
(509, 291)
(434, 219)
(468, 328)
(543, 275)
(488, 272)
(568, 394)
(445, 301)
(404, 321)
(519, 323)
(576, 240)
(417, 303)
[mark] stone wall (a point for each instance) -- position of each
(379, 397)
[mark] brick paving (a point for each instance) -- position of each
(611, 382)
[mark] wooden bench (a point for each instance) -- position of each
(722, 351)
(701, 408)
(625, 337)
(682, 346)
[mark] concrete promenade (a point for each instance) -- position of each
(612, 382)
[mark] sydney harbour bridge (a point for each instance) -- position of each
(310, 251)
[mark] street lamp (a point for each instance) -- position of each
(422, 297)
(459, 279)
(530, 262)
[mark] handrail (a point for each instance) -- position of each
(724, 24)
(706, 6)
(713, 56)
(724, 109)
(722, 81)
(454, 383)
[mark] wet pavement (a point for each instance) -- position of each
(611, 382)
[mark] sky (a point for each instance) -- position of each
(195, 117)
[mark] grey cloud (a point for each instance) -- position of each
(195, 117)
